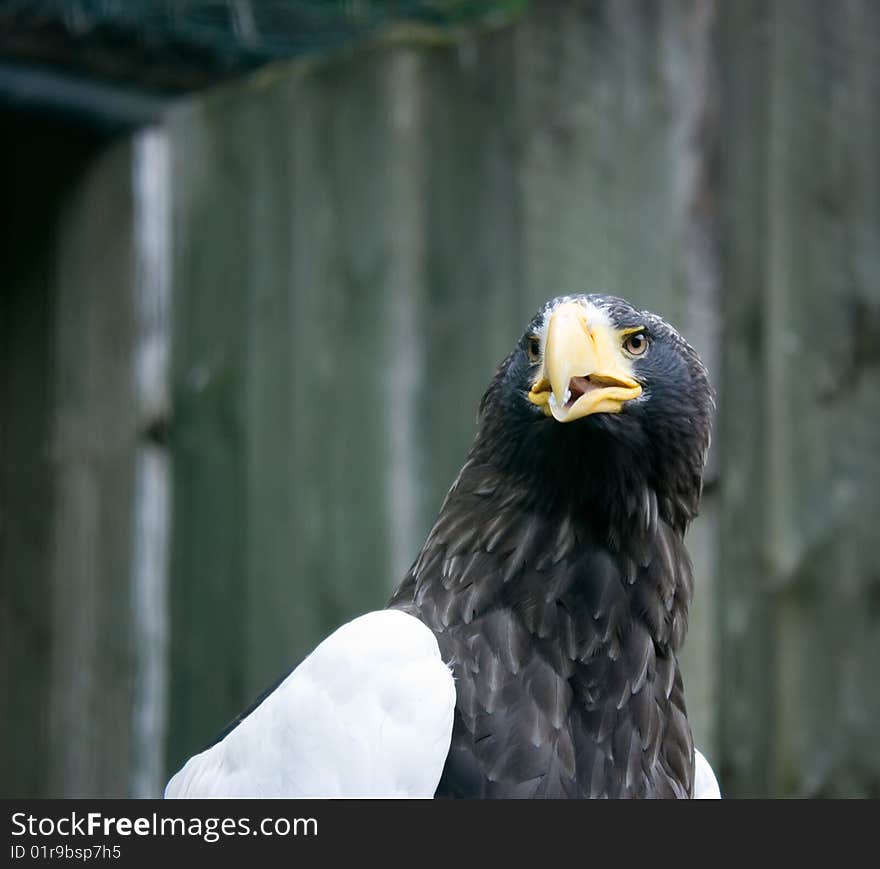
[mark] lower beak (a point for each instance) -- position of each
(584, 370)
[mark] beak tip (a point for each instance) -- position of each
(559, 397)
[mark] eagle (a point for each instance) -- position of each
(531, 651)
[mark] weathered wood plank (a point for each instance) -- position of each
(207, 579)
(801, 195)
(825, 127)
(34, 177)
(746, 701)
(85, 668)
(71, 646)
(93, 438)
(152, 496)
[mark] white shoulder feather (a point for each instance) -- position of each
(367, 714)
(705, 783)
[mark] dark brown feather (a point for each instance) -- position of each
(565, 676)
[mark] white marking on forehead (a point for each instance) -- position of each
(595, 314)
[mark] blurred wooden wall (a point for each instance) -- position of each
(268, 322)
(799, 611)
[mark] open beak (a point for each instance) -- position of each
(584, 369)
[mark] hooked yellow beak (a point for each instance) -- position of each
(584, 369)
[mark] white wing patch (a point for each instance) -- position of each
(705, 783)
(367, 714)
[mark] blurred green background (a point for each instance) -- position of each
(259, 260)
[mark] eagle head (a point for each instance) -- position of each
(599, 403)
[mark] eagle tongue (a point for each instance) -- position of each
(577, 387)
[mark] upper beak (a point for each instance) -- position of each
(584, 370)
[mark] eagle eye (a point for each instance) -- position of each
(534, 349)
(636, 344)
